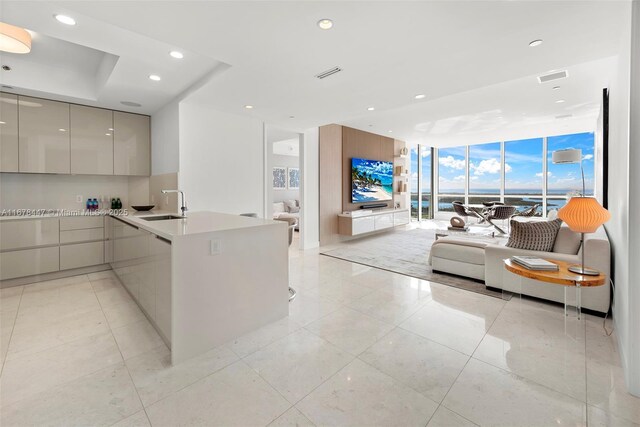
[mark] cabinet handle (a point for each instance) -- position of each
(163, 239)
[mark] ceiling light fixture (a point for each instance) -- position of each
(555, 87)
(14, 39)
(3, 123)
(559, 101)
(130, 104)
(325, 24)
(292, 117)
(154, 77)
(370, 108)
(390, 131)
(535, 43)
(62, 130)
(64, 19)
(248, 107)
(176, 54)
(107, 134)
(420, 96)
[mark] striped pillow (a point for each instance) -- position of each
(534, 236)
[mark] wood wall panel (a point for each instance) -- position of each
(330, 145)
(366, 145)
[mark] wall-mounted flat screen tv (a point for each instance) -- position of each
(371, 180)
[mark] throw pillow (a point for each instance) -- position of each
(279, 207)
(534, 236)
(290, 204)
(294, 210)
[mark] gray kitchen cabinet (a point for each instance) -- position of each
(43, 129)
(131, 144)
(8, 132)
(91, 132)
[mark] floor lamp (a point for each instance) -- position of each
(582, 214)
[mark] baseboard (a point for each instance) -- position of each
(19, 281)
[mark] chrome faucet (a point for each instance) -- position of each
(183, 206)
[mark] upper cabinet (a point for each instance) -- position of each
(91, 140)
(8, 132)
(43, 130)
(43, 136)
(131, 144)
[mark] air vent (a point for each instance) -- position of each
(564, 116)
(553, 76)
(325, 74)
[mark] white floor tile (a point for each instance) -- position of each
(102, 398)
(123, 314)
(298, 363)
(234, 396)
(136, 338)
(600, 418)
(423, 365)
(139, 419)
(350, 330)
(446, 418)
(488, 395)
(292, 418)
(305, 309)
(360, 395)
(26, 375)
(254, 341)
(155, 378)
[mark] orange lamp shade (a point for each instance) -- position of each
(584, 214)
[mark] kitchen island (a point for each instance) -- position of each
(202, 280)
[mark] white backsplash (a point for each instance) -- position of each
(45, 191)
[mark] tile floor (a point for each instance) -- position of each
(361, 347)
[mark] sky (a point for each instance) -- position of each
(523, 166)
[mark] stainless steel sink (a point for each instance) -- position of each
(161, 217)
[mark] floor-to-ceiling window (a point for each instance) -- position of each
(425, 180)
(421, 178)
(518, 173)
(523, 178)
(452, 176)
(485, 171)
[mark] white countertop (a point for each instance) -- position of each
(195, 223)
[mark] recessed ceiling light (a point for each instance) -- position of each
(3, 123)
(559, 101)
(555, 87)
(420, 96)
(176, 54)
(248, 107)
(390, 131)
(130, 104)
(535, 43)
(325, 24)
(64, 19)
(370, 108)
(110, 129)
(62, 130)
(154, 77)
(107, 134)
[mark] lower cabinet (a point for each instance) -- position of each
(142, 262)
(81, 255)
(28, 262)
(355, 224)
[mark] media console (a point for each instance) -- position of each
(362, 222)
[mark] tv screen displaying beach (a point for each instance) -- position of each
(371, 180)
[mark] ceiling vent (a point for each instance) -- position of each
(325, 74)
(553, 76)
(564, 116)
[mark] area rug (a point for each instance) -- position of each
(405, 252)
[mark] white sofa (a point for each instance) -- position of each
(482, 259)
(283, 210)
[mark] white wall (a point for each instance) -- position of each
(310, 189)
(287, 162)
(621, 189)
(164, 139)
(44, 191)
(221, 160)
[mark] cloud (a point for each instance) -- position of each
(425, 153)
(539, 174)
(451, 162)
(587, 157)
(488, 166)
(459, 178)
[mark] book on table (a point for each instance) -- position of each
(534, 263)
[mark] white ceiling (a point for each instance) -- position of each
(390, 51)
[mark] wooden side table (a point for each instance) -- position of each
(562, 277)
